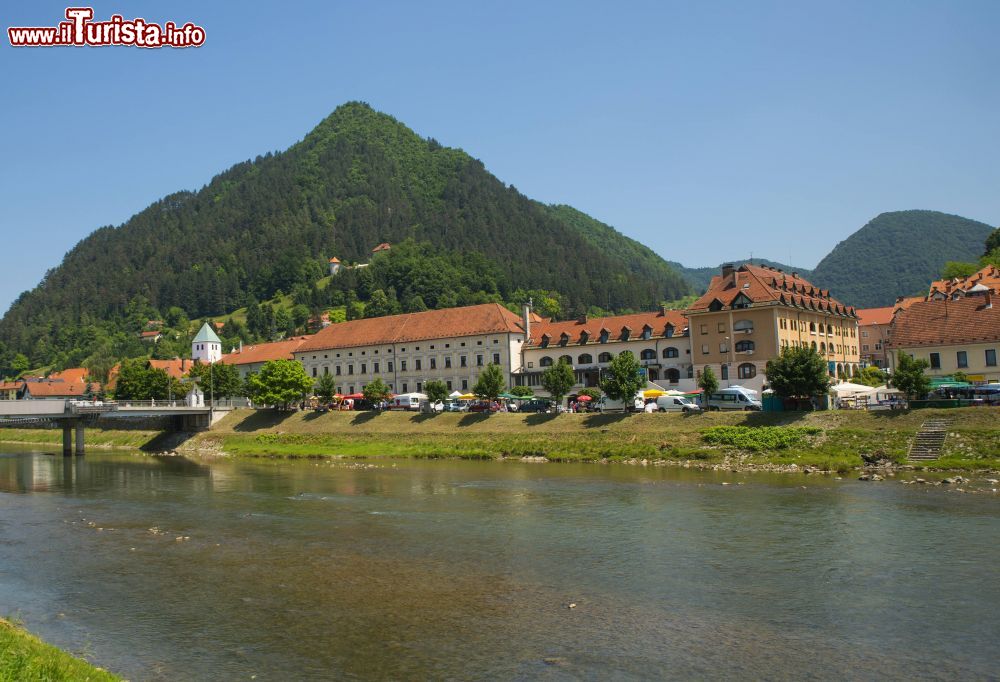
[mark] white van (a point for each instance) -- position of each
(676, 403)
(732, 398)
(606, 404)
(406, 401)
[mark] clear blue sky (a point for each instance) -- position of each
(706, 130)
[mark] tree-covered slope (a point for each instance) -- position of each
(358, 179)
(700, 278)
(898, 254)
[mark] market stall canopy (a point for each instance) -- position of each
(584, 399)
(355, 396)
(467, 396)
(846, 388)
(653, 393)
(455, 394)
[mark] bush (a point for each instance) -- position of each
(758, 438)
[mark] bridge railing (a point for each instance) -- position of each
(181, 404)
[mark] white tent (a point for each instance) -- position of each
(846, 389)
(455, 394)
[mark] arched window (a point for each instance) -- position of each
(812, 327)
(813, 346)
(545, 362)
(585, 359)
(567, 359)
(747, 370)
(822, 347)
(744, 345)
(690, 371)
(648, 354)
(604, 357)
(743, 326)
(673, 375)
(724, 373)
(670, 352)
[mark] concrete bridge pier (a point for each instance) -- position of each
(67, 440)
(79, 438)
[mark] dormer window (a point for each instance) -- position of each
(741, 301)
(626, 332)
(715, 305)
(604, 335)
(647, 331)
(545, 340)
(669, 331)
(563, 339)
(584, 337)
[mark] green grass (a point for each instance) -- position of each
(759, 438)
(25, 658)
(93, 437)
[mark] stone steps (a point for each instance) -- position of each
(929, 440)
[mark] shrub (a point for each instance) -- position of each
(758, 438)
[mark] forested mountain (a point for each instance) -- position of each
(700, 278)
(267, 225)
(898, 254)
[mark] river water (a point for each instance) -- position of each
(289, 570)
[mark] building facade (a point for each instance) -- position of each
(207, 346)
(873, 331)
(658, 340)
(953, 335)
(251, 359)
(406, 351)
(750, 314)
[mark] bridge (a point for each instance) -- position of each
(75, 415)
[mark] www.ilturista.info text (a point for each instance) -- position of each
(80, 30)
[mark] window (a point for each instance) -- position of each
(337, 371)
(545, 362)
(419, 386)
(364, 368)
(416, 364)
(447, 362)
(479, 361)
(604, 357)
(670, 331)
(434, 363)
(722, 328)
(704, 329)
(375, 368)
(723, 347)
(648, 354)
(465, 384)
(405, 387)
(646, 332)
(314, 372)
(963, 358)
(388, 366)
(585, 359)
(449, 384)
(991, 357)
(864, 334)
(670, 352)
(812, 327)
(935, 361)
(402, 368)
(743, 326)
(496, 358)
(725, 372)
(704, 349)
(673, 375)
(864, 347)
(744, 346)
(567, 359)
(350, 369)
(463, 361)
(746, 371)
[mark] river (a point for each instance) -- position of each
(164, 568)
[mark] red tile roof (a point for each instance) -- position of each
(150, 334)
(72, 374)
(870, 316)
(942, 323)
(574, 329)
(334, 260)
(988, 276)
(10, 385)
(56, 389)
(384, 246)
(263, 352)
(177, 368)
(764, 285)
(488, 318)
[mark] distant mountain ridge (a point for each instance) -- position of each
(700, 278)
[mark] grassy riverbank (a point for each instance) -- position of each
(25, 658)
(827, 440)
(831, 441)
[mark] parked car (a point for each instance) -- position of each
(535, 406)
(484, 406)
(428, 407)
(733, 398)
(672, 403)
(455, 406)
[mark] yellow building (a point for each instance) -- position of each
(749, 314)
(961, 335)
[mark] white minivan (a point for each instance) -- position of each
(732, 398)
(606, 404)
(406, 401)
(676, 403)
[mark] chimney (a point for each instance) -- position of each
(663, 310)
(727, 269)
(241, 345)
(795, 275)
(526, 319)
(989, 300)
(582, 319)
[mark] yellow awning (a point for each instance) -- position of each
(467, 396)
(653, 393)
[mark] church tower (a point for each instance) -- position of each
(207, 346)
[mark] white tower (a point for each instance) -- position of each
(207, 346)
(334, 265)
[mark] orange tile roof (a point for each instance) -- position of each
(574, 329)
(988, 276)
(57, 389)
(765, 285)
(263, 352)
(72, 374)
(384, 246)
(10, 385)
(177, 368)
(334, 260)
(940, 323)
(487, 318)
(870, 316)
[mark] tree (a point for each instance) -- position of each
(490, 383)
(436, 390)
(376, 392)
(279, 383)
(909, 376)
(992, 242)
(20, 364)
(959, 376)
(558, 380)
(521, 391)
(622, 380)
(871, 376)
(217, 381)
(138, 381)
(326, 387)
(798, 373)
(953, 269)
(708, 383)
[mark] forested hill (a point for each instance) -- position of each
(358, 179)
(898, 254)
(700, 278)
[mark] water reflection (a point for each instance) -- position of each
(173, 569)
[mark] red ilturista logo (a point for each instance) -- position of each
(80, 30)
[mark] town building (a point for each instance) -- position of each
(334, 265)
(873, 329)
(9, 389)
(176, 368)
(659, 341)
(750, 314)
(251, 359)
(406, 351)
(207, 346)
(987, 279)
(44, 389)
(152, 336)
(953, 335)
